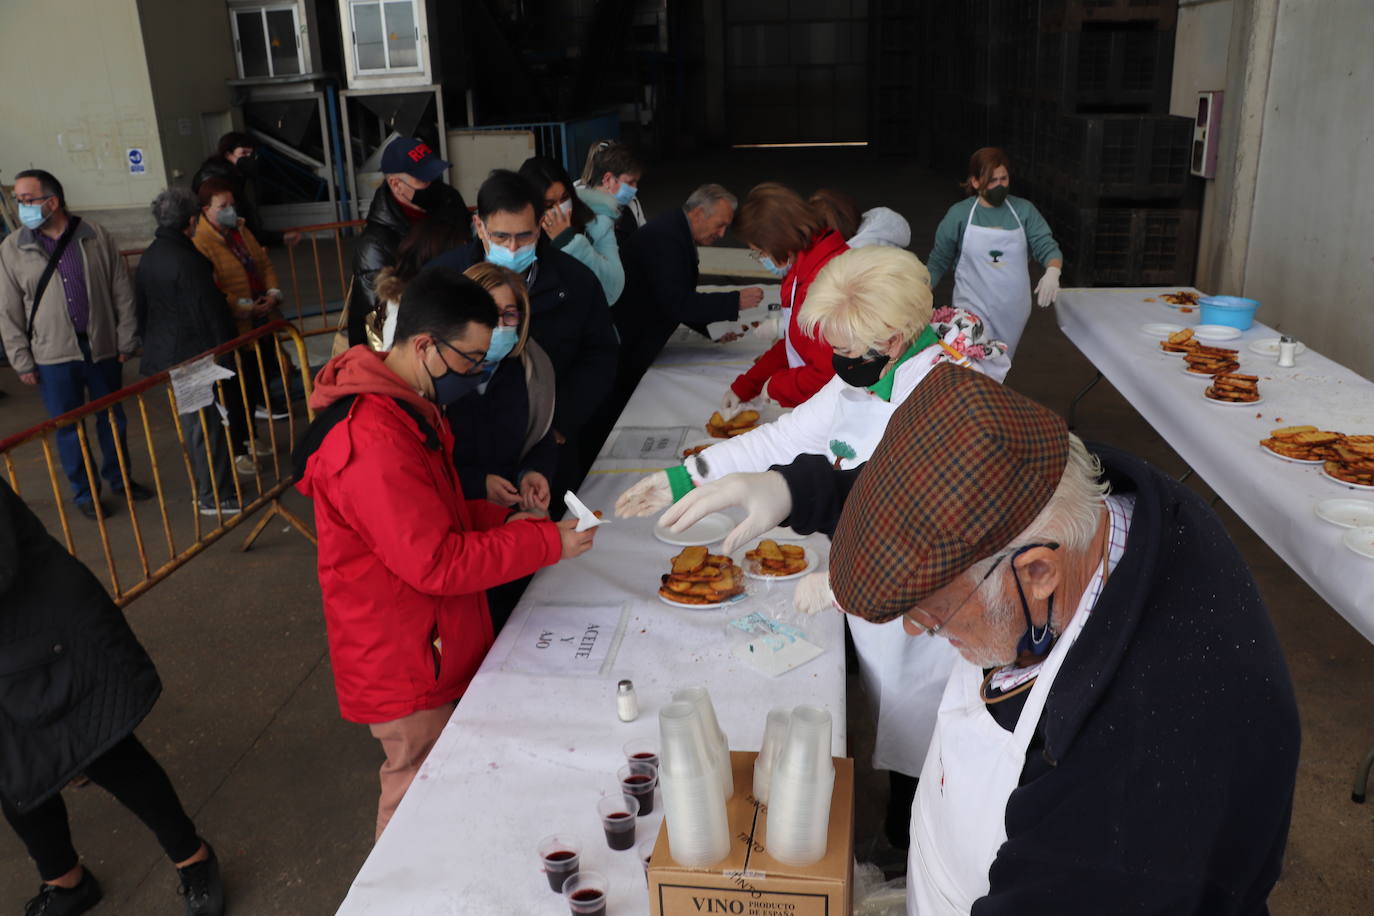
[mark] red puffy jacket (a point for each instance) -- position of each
(788, 386)
(404, 559)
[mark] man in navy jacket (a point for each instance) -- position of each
(569, 317)
(1158, 770)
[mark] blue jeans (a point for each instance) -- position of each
(64, 387)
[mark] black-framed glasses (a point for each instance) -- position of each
(521, 239)
(34, 200)
(474, 362)
(941, 624)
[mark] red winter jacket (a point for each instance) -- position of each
(789, 387)
(403, 557)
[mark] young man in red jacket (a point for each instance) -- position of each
(404, 559)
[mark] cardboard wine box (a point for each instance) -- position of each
(749, 882)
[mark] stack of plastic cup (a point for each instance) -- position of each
(803, 780)
(698, 833)
(718, 746)
(774, 733)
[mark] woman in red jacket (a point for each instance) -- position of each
(404, 559)
(791, 239)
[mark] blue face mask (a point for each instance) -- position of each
(625, 193)
(502, 342)
(31, 215)
(518, 260)
(772, 268)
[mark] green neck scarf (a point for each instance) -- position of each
(883, 386)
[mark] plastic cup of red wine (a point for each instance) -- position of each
(560, 856)
(642, 750)
(586, 893)
(618, 815)
(638, 781)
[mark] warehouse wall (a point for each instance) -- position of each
(78, 98)
(191, 54)
(1288, 217)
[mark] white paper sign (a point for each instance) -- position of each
(647, 443)
(566, 639)
(194, 383)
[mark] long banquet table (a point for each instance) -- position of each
(1221, 443)
(529, 752)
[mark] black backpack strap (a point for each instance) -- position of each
(48, 271)
(333, 415)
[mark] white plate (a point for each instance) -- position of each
(1206, 377)
(1175, 306)
(1160, 329)
(812, 564)
(710, 530)
(1345, 483)
(1360, 540)
(1258, 400)
(1269, 347)
(1273, 454)
(1348, 513)
(1215, 332)
(703, 607)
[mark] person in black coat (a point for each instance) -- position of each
(569, 318)
(412, 190)
(661, 274)
(74, 684)
(235, 160)
(1159, 776)
(181, 314)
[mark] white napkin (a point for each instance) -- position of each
(586, 520)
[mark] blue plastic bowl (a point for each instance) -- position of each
(1232, 311)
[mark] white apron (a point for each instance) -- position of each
(794, 359)
(992, 279)
(958, 820)
(902, 675)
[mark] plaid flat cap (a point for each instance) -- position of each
(965, 465)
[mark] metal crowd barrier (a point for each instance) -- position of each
(307, 325)
(29, 459)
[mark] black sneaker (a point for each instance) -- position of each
(60, 901)
(228, 506)
(88, 509)
(138, 491)
(202, 887)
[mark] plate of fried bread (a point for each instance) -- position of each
(1180, 300)
(1204, 361)
(700, 579)
(1178, 342)
(770, 560)
(1232, 390)
(1352, 463)
(1301, 444)
(711, 529)
(738, 425)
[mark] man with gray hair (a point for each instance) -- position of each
(181, 313)
(1120, 732)
(661, 273)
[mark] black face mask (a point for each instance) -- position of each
(431, 198)
(1034, 645)
(247, 166)
(860, 371)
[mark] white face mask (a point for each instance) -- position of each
(566, 206)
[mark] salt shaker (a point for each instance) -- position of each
(1288, 348)
(626, 703)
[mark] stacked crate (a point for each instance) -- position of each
(1077, 92)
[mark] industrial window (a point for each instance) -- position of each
(386, 36)
(267, 41)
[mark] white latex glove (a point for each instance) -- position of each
(650, 495)
(813, 593)
(731, 400)
(1048, 287)
(764, 495)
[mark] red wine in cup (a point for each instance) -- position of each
(639, 786)
(586, 897)
(618, 837)
(559, 866)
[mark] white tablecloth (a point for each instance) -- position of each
(1220, 443)
(528, 755)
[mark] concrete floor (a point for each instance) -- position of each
(249, 731)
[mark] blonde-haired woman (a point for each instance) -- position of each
(873, 305)
(504, 447)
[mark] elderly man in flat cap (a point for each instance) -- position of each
(1121, 735)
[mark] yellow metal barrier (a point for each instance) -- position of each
(259, 475)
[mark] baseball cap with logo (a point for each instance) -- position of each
(414, 157)
(965, 466)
